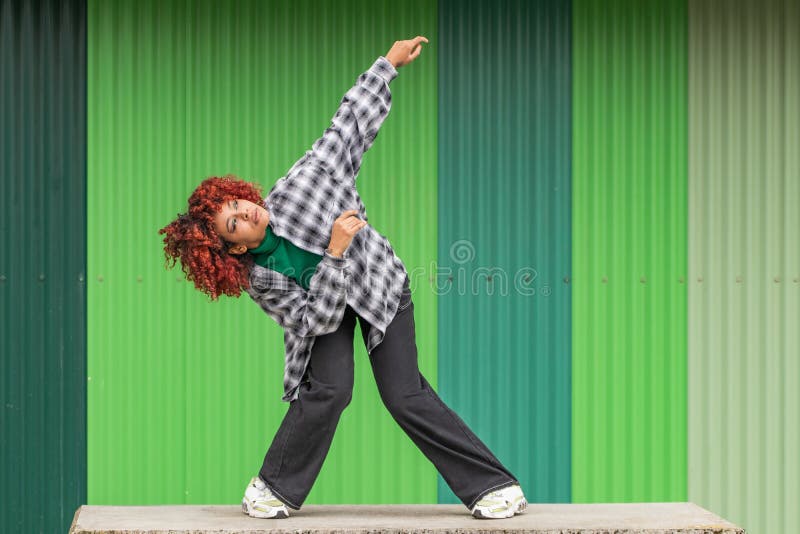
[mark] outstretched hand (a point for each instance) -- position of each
(404, 52)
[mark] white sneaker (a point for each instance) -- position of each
(259, 501)
(502, 503)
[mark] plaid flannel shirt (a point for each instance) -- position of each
(302, 207)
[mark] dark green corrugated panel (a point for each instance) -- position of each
(629, 251)
(744, 269)
(504, 212)
(42, 264)
(181, 410)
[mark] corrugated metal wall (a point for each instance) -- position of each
(645, 153)
(504, 233)
(42, 264)
(744, 270)
(629, 251)
(181, 411)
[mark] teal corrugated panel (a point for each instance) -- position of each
(504, 234)
(42, 264)
(185, 394)
(744, 269)
(629, 251)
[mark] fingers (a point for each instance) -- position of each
(354, 227)
(354, 222)
(349, 221)
(416, 42)
(416, 46)
(347, 213)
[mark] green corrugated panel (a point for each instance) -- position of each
(185, 394)
(504, 212)
(629, 251)
(42, 264)
(744, 270)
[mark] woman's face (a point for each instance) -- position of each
(242, 223)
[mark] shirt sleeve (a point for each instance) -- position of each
(314, 312)
(355, 124)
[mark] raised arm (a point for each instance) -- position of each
(355, 125)
(314, 312)
(361, 113)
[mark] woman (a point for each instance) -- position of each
(307, 256)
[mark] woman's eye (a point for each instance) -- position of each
(234, 226)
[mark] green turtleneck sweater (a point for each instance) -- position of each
(282, 255)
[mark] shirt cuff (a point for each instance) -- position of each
(334, 261)
(384, 68)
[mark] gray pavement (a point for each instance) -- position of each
(615, 518)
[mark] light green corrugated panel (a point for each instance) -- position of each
(629, 251)
(138, 346)
(504, 356)
(184, 396)
(744, 270)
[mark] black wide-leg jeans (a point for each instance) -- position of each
(295, 457)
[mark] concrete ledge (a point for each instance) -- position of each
(616, 518)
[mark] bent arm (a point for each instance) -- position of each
(309, 313)
(355, 124)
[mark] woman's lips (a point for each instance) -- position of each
(255, 215)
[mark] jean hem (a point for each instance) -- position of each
(486, 492)
(285, 501)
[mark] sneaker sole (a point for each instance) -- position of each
(274, 513)
(503, 515)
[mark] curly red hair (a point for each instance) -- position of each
(203, 253)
